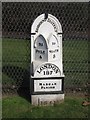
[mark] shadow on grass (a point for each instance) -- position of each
(20, 80)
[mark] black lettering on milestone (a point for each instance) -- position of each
(39, 25)
(54, 56)
(55, 28)
(49, 66)
(57, 50)
(40, 57)
(53, 67)
(57, 70)
(39, 70)
(43, 52)
(45, 66)
(40, 44)
(36, 51)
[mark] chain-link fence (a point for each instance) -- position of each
(17, 19)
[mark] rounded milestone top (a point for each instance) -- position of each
(46, 20)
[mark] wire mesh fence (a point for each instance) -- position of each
(17, 19)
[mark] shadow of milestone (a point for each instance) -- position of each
(20, 80)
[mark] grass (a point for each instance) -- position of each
(16, 62)
(15, 51)
(16, 58)
(18, 107)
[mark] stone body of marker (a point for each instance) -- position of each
(47, 78)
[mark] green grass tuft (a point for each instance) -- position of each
(18, 107)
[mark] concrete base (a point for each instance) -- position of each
(46, 99)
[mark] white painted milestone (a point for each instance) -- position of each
(47, 76)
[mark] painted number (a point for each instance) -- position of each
(54, 56)
(40, 44)
(53, 43)
(47, 72)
